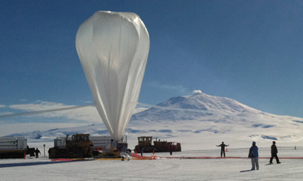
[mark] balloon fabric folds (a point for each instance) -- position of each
(113, 49)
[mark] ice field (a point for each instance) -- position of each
(162, 168)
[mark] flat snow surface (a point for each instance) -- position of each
(161, 169)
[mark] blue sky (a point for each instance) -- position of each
(250, 51)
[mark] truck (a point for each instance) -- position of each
(145, 145)
(14, 147)
(84, 145)
(76, 146)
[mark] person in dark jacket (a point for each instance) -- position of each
(274, 152)
(142, 151)
(222, 148)
(254, 155)
(170, 148)
(37, 152)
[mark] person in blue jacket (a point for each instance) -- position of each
(254, 155)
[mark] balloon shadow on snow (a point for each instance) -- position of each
(29, 164)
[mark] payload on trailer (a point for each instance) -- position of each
(145, 145)
(100, 142)
(106, 147)
(14, 147)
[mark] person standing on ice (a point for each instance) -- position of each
(170, 148)
(113, 144)
(142, 150)
(254, 155)
(274, 152)
(222, 148)
(37, 152)
(124, 154)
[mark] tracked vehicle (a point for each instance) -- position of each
(78, 146)
(145, 143)
(84, 145)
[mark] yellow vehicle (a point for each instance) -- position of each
(78, 146)
(145, 143)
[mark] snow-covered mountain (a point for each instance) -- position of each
(198, 121)
(193, 107)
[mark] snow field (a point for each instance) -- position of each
(162, 169)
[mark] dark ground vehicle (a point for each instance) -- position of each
(14, 147)
(79, 146)
(159, 146)
(17, 153)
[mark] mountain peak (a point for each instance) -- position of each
(197, 92)
(192, 107)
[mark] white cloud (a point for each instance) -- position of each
(88, 113)
(179, 88)
(139, 109)
(2, 106)
(4, 113)
(197, 92)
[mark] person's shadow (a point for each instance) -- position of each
(246, 170)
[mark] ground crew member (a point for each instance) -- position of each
(222, 148)
(37, 153)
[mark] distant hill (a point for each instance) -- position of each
(192, 107)
(198, 121)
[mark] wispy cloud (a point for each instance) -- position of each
(4, 113)
(2, 106)
(89, 102)
(88, 113)
(169, 87)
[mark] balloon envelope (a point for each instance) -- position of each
(113, 49)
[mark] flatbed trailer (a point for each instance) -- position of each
(13, 147)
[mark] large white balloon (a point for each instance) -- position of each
(113, 48)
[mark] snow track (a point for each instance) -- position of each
(163, 169)
(230, 169)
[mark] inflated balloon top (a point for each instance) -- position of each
(113, 48)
